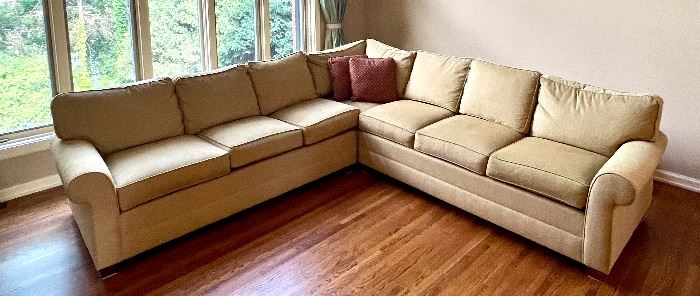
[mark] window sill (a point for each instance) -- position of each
(26, 145)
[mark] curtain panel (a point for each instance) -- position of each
(333, 13)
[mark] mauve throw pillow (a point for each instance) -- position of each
(373, 80)
(340, 76)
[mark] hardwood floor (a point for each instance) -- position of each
(352, 233)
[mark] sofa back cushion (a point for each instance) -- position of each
(500, 94)
(281, 83)
(438, 80)
(594, 119)
(318, 64)
(211, 99)
(119, 118)
(404, 61)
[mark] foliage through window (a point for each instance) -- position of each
(103, 44)
(100, 43)
(25, 87)
(175, 37)
(235, 31)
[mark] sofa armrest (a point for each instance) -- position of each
(79, 162)
(619, 197)
(633, 165)
(93, 197)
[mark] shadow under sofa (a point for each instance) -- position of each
(246, 134)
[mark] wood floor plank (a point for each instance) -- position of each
(352, 233)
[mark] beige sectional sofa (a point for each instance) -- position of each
(564, 164)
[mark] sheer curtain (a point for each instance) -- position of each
(333, 13)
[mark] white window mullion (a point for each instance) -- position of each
(142, 44)
(313, 22)
(59, 49)
(263, 29)
(207, 33)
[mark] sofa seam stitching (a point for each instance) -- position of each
(534, 168)
(422, 134)
(382, 121)
(329, 118)
(538, 192)
(396, 161)
(175, 169)
(452, 162)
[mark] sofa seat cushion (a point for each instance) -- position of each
(555, 170)
(363, 106)
(319, 119)
(398, 121)
(465, 141)
(145, 172)
(254, 138)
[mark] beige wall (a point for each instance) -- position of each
(630, 45)
(26, 168)
(354, 21)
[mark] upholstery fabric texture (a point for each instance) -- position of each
(501, 94)
(92, 198)
(620, 195)
(319, 119)
(254, 138)
(282, 82)
(526, 214)
(318, 64)
(340, 75)
(465, 141)
(183, 211)
(595, 121)
(152, 170)
(438, 80)
(373, 80)
(214, 98)
(99, 116)
(363, 106)
(398, 121)
(404, 61)
(552, 169)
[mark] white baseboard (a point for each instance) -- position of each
(678, 180)
(29, 187)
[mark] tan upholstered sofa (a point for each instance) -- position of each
(564, 164)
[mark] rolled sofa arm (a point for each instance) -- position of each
(93, 197)
(619, 197)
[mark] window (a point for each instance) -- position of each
(75, 45)
(24, 71)
(285, 25)
(101, 45)
(175, 37)
(235, 31)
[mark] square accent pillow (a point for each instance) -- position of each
(373, 80)
(340, 76)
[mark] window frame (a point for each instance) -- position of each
(59, 59)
